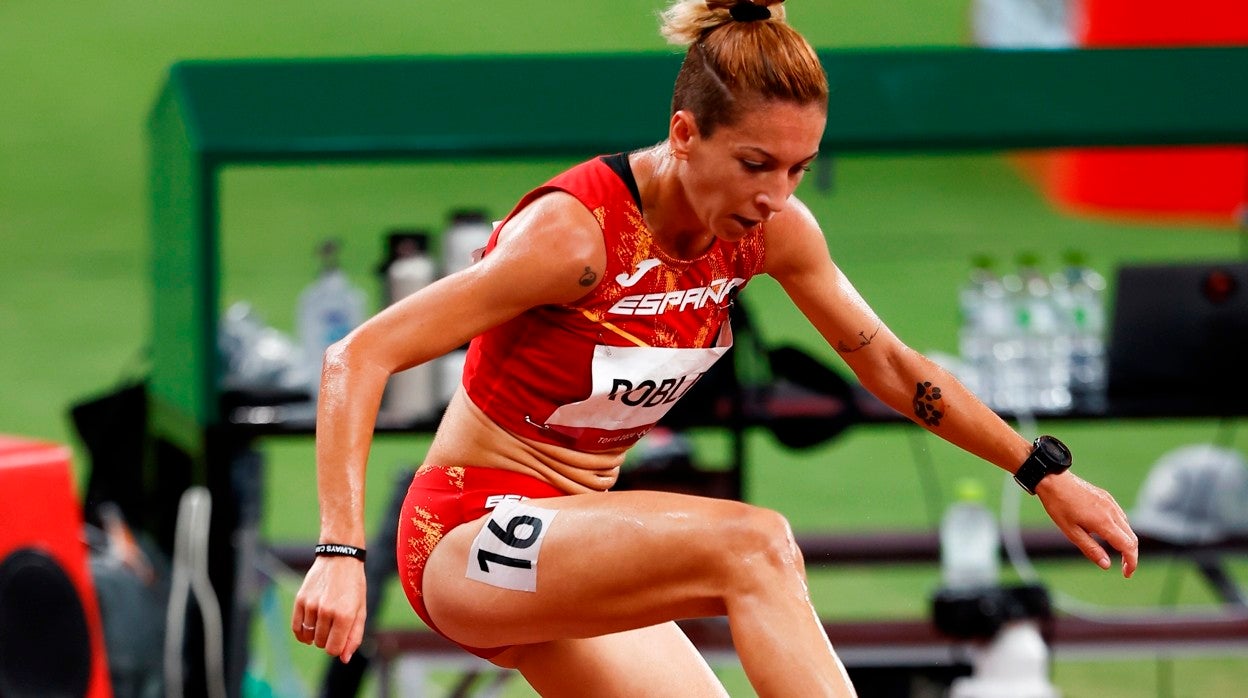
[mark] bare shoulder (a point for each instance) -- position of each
(798, 258)
(552, 246)
(794, 242)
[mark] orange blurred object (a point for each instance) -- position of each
(51, 636)
(1207, 184)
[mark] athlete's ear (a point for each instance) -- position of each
(681, 133)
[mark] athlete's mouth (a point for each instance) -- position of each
(746, 223)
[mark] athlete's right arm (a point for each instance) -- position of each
(550, 252)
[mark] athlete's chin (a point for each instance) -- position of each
(735, 228)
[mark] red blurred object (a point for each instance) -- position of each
(1209, 184)
(43, 553)
(1160, 22)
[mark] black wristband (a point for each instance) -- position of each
(340, 550)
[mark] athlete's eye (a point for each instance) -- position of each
(753, 165)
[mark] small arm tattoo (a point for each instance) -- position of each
(588, 277)
(863, 340)
(927, 404)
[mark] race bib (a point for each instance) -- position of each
(635, 386)
(504, 554)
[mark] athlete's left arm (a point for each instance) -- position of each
(797, 257)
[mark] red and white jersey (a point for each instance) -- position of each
(599, 373)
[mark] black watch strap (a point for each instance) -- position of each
(1049, 456)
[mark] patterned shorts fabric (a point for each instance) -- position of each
(441, 498)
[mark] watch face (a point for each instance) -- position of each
(1054, 452)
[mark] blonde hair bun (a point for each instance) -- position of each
(686, 21)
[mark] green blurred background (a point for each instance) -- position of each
(78, 83)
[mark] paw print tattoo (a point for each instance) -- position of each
(927, 404)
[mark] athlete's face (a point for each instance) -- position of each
(744, 174)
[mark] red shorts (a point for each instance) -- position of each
(442, 498)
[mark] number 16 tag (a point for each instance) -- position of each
(504, 553)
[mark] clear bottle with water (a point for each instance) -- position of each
(468, 233)
(1044, 344)
(969, 541)
(1012, 384)
(462, 241)
(974, 348)
(1081, 310)
(984, 318)
(412, 394)
(328, 309)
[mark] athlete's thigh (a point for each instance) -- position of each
(647, 662)
(603, 563)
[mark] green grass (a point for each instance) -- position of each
(80, 78)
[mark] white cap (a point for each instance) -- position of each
(1194, 494)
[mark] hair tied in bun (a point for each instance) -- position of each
(749, 12)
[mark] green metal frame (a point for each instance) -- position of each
(213, 115)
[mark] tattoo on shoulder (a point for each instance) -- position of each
(863, 340)
(928, 406)
(588, 277)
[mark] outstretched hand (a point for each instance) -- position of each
(330, 606)
(1082, 510)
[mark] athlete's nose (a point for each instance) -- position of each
(777, 189)
(771, 201)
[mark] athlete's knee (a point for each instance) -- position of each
(761, 547)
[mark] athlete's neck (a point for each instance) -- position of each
(665, 203)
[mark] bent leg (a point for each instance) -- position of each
(654, 661)
(619, 561)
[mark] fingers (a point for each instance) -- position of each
(1120, 538)
(299, 625)
(1089, 547)
(339, 634)
(303, 621)
(330, 615)
(354, 639)
(1082, 511)
(1124, 540)
(1116, 531)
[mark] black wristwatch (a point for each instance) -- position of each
(1048, 457)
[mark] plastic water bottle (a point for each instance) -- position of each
(969, 541)
(1030, 299)
(1043, 377)
(408, 266)
(328, 309)
(1082, 313)
(468, 233)
(412, 394)
(985, 318)
(974, 345)
(1012, 385)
